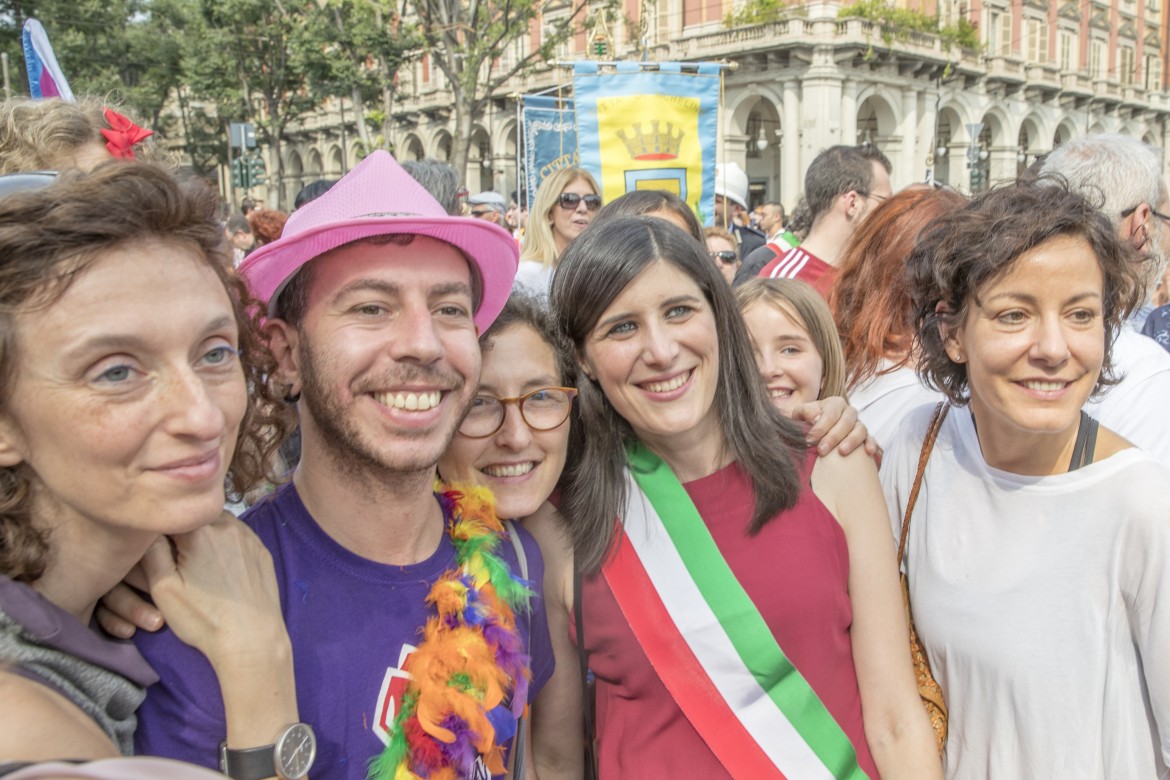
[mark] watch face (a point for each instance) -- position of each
(295, 751)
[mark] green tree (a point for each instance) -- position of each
(123, 50)
(366, 42)
(253, 60)
(469, 42)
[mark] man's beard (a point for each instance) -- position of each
(342, 435)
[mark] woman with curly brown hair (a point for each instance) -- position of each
(1038, 552)
(126, 357)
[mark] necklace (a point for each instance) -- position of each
(470, 661)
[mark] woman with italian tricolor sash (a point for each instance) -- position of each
(740, 603)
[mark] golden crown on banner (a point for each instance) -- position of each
(655, 145)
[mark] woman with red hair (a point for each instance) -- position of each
(870, 301)
(267, 225)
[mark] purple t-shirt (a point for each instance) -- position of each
(351, 621)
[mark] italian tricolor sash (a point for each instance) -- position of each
(710, 645)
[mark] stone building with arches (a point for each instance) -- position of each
(1047, 71)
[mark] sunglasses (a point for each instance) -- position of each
(726, 256)
(482, 213)
(571, 200)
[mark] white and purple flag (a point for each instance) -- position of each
(45, 79)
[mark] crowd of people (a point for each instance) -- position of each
(591, 491)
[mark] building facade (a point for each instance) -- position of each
(1047, 71)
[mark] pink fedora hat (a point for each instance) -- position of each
(379, 198)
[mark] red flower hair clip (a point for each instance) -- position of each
(123, 136)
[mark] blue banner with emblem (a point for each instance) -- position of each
(550, 139)
(650, 130)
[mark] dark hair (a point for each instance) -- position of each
(776, 205)
(874, 154)
(636, 203)
(311, 191)
(836, 171)
(597, 266)
(238, 223)
(52, 236)
(962, 251)
(523, 308)
(870, 298)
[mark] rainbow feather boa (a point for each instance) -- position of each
(471, 659)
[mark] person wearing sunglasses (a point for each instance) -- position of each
(515, 440)
(723, 250)
(488, 206)
(565, 204)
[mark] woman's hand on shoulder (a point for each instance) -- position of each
(216, 588)
(124, 610)
(835, 425)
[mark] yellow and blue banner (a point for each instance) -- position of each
(650, 130)
(550, 139)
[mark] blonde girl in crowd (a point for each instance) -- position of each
(55, 135)
(564, 205)
(796, 343)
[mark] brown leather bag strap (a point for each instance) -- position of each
(940, 414)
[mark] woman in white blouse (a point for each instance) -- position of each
(1039, 547)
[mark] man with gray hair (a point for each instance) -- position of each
(1124, 176)
(440, 180)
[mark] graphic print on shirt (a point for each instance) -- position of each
(390, 695)
(791, 264)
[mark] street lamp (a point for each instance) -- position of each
(975, 155)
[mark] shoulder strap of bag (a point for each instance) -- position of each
(1086, 443)
(940, 414)
(583, 658)
(518, 746)
(518, 546)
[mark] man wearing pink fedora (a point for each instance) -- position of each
(415, 644)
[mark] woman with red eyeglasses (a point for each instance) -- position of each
(565, 204)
